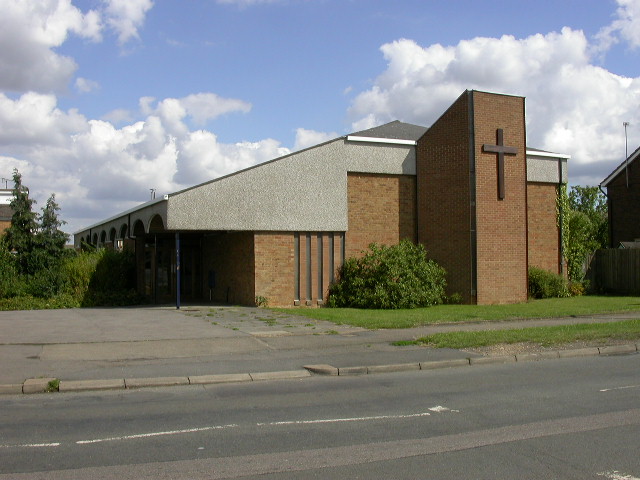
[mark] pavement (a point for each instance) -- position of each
(135, 347)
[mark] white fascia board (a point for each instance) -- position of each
(353, 138)
(536, 153)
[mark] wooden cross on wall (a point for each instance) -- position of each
(501, 150)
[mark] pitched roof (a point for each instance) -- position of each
(621, 168)
(395, 130)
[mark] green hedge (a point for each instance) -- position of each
(389, 277)
(545, 284)
(85, 279)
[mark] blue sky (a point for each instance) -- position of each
(101, 100)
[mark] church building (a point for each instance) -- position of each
(467, 188)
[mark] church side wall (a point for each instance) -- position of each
(543, 231)
(274, 267)
(381, 210)
(444, 197)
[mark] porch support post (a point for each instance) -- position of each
(177, 271)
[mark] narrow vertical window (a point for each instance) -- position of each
(308, 257)
(296, 267)
(332, 264)
(320, 268)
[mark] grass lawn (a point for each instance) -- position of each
(545, 336)
(553, 307)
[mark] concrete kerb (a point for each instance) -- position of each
(42, 385)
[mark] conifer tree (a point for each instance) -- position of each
(20, 235)
(49, 237)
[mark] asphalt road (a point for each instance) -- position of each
(561, 419)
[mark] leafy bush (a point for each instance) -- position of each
(545, 284)
(90, 278)
(11, 283)
(386, 277)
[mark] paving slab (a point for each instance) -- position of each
(579, 352)
(221, 378)
(459, 362)
(398, 367)
(491, 360)
(533, 357)
(36, 385)
(322, 369)
(617, 349)
(11, 389)
(353, 371)
(85, 385)
(155, 382)
(280, 375)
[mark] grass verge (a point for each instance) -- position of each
(547, 308)
(544, 336)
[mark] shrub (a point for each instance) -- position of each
(11, 283)
(545, 284)
(393, 277)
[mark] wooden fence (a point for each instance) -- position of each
(615, 270)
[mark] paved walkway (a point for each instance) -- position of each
(200, 341)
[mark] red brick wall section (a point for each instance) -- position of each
(443, 190)
(274, 272)
(381, 210)
(624, 206)
(231, 257)
(543, 231)
(3, 226)
(501, 224)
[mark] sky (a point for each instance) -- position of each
(103, 100)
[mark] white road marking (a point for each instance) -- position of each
(615, 475)
(31, 445)
(619, 388)
(338, 420)
(155, 434)
(436, 409)
(440, 409)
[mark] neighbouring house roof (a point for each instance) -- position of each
(634, 244)
(630, 159)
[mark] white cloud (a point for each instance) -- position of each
(207, 106)
(29, 31)
(125, 17)
(625, 27)
(84, 85)
(97, 168)
(34, 121)
(573, 106)
(118, 116)
(308, 138)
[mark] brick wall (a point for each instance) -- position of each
(444, 196)
(274, 267)
(3, 226)
(231, 257)
(624, 206)
(381, 210)
(501, 224)
(480, 240)
(543, 231)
